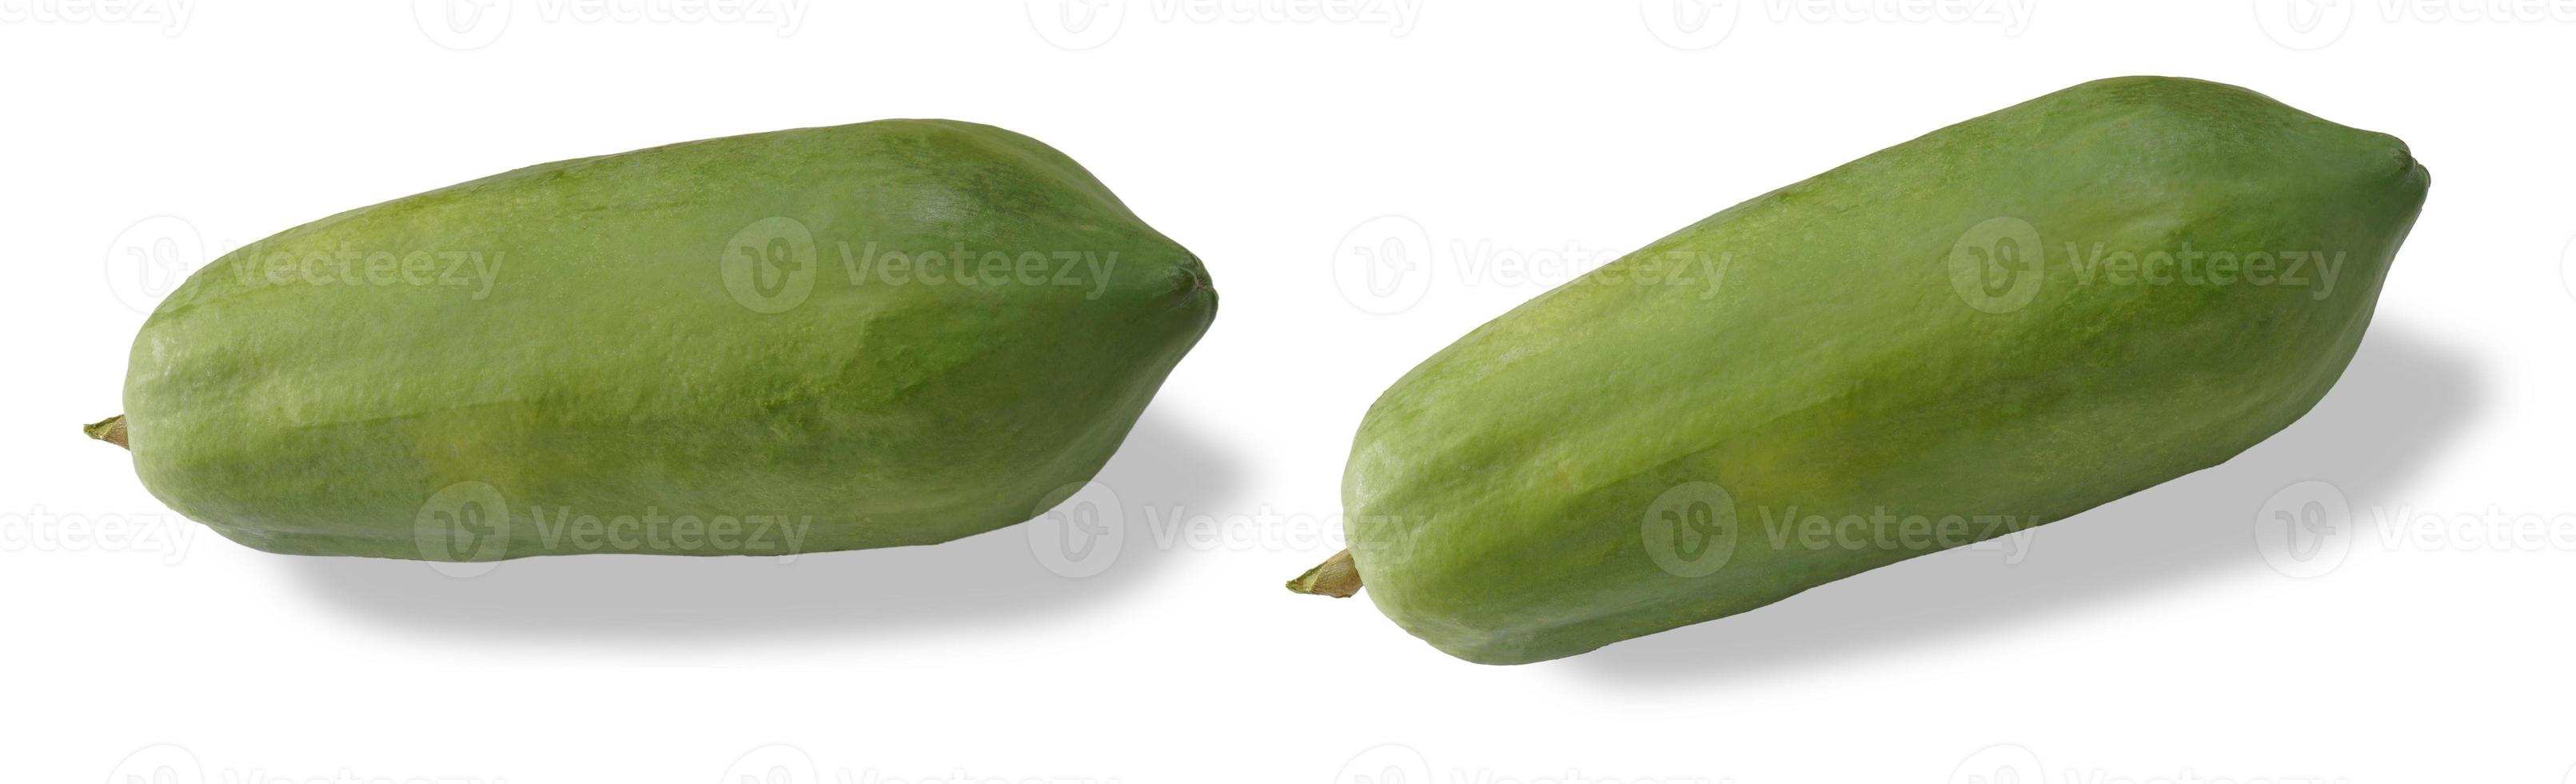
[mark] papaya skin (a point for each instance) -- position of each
(599, 384)
(1557, 480)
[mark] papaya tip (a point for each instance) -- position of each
(1336, 577)
(111, 430)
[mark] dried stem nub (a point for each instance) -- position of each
(1336, 577)
(111, 430)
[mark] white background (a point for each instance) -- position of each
(2148, 640)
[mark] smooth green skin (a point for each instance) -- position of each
(611, 373)
(1502, 497)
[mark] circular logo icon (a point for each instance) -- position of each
(768, 266)
(1997, 265)
(1691, 529)
(776, 763)
(462, 25)
(1081, 535)
(1392, 763)
(2304, 25)
(151, 258)
(2567, 266)
(1689, 25)
(158, 764)
(1383, 266)
(1077, 24)
(2305, 530)
(2002, 763)
(463, 530)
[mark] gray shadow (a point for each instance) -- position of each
(2398, 404)
(679, 601)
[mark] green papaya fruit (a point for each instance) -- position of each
(1999, 324)
(890, 333)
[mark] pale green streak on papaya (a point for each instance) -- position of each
(608, 371)
(1497, 493)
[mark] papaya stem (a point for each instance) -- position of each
(1336, 577)
(111, 430)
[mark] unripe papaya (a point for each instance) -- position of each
(890, 333)
(1993, 326)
